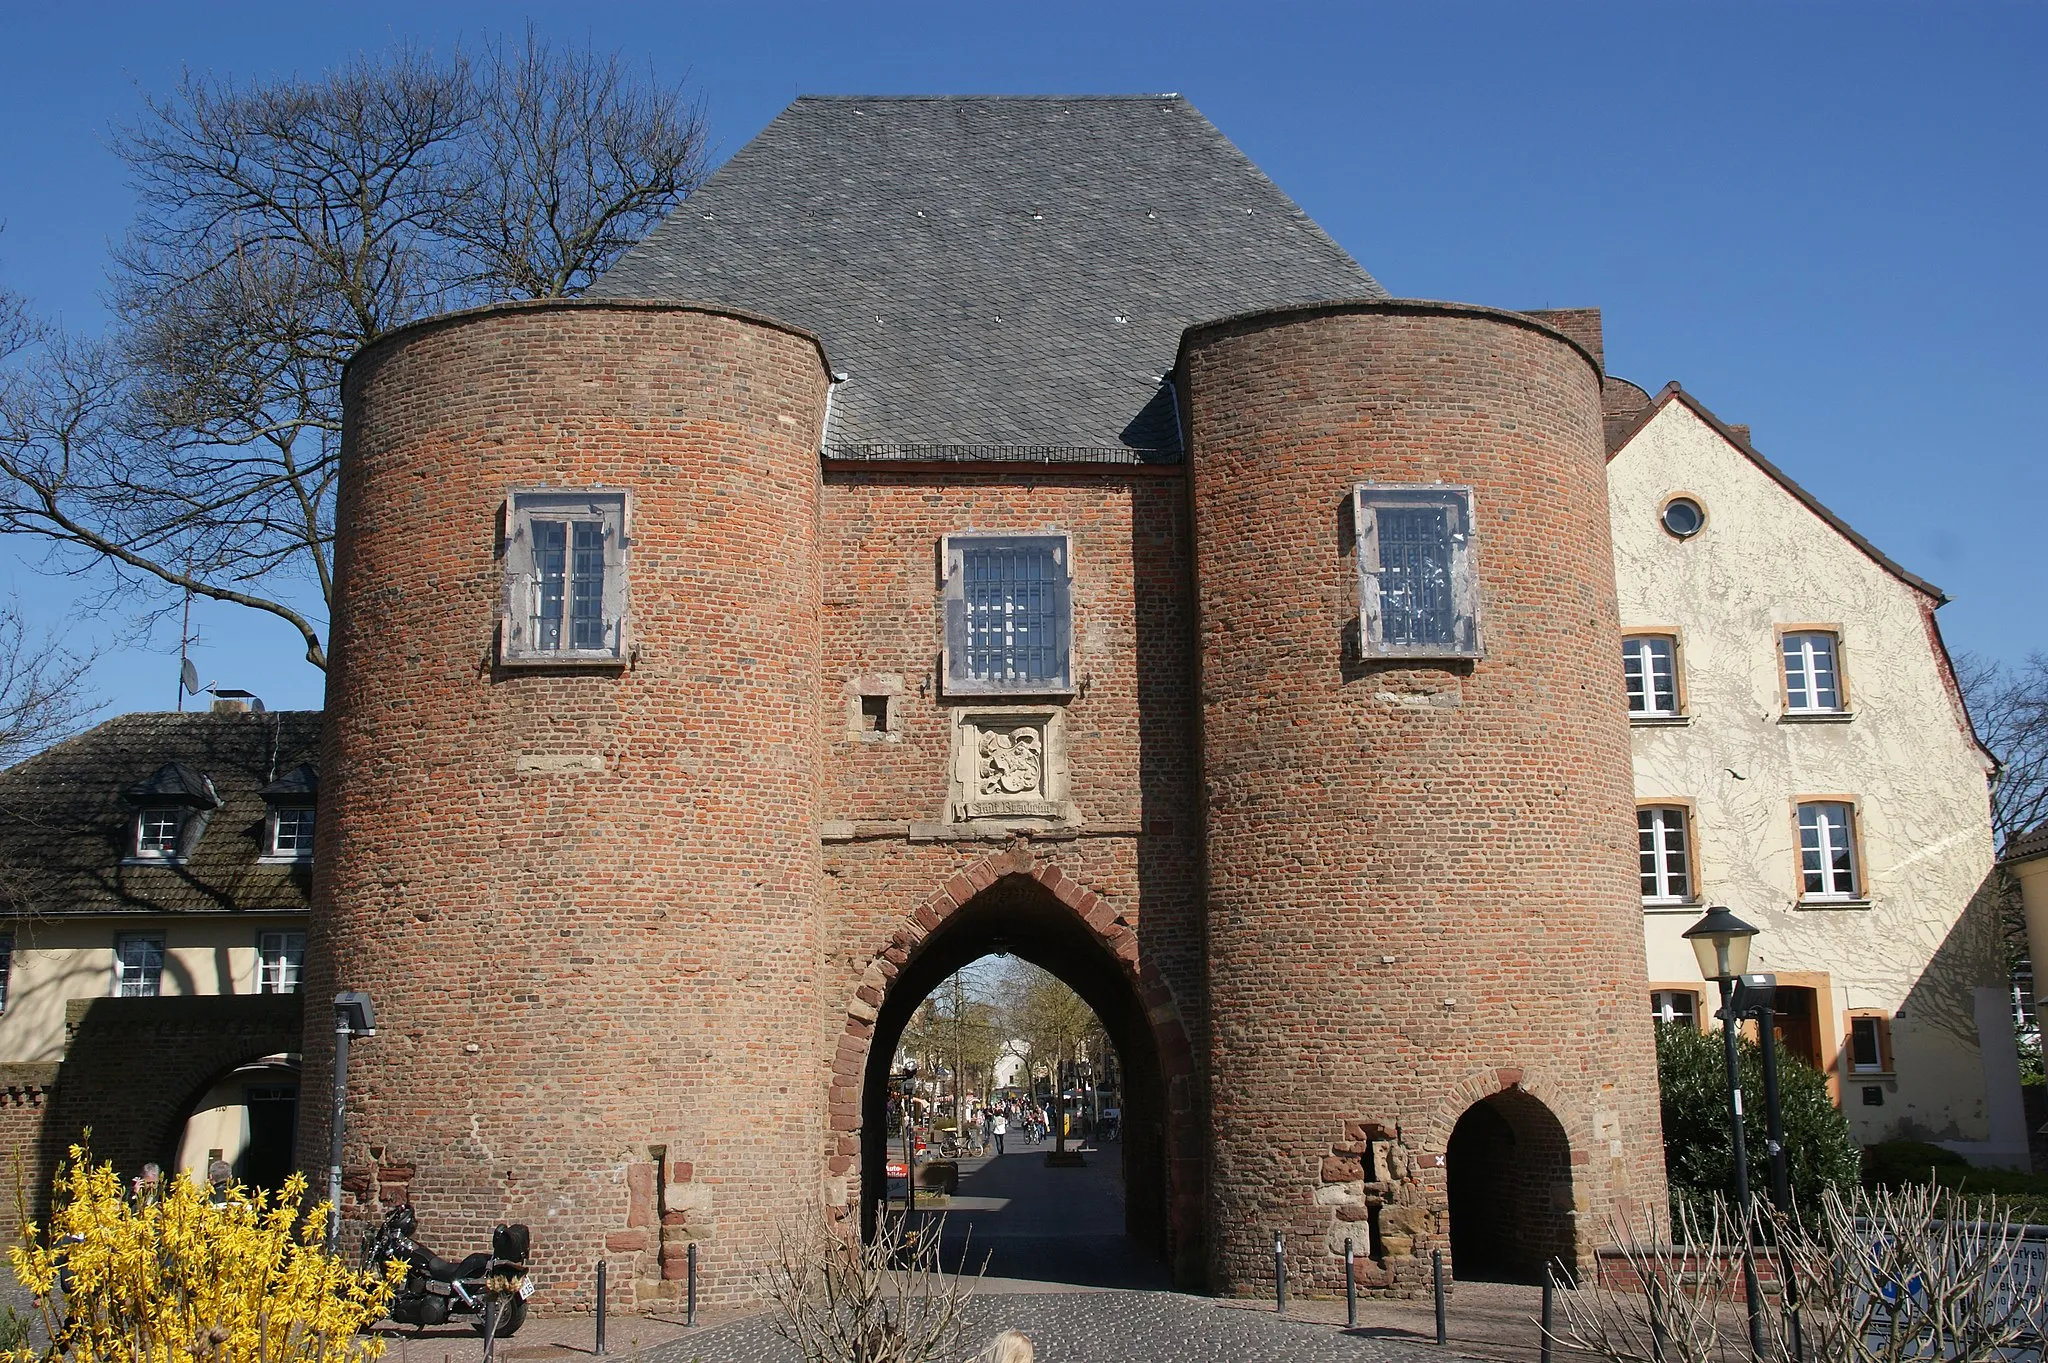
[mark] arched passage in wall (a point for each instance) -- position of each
(1030, 910)
(248, 1113)
(1509, 1173)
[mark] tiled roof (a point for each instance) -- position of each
(67, 816)
(999, 278)
(2028, 845)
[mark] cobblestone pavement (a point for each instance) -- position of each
(1101, 1327)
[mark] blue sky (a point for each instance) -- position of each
(1826, 220)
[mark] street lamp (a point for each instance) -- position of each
(1721, 942)
(353, 1017)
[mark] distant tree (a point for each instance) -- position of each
(283, 226)
(1051, 1023)
(2009, 706)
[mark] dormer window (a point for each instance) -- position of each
(156, 832)
(288, 821)
(172, 810)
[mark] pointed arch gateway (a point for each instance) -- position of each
(1024, 905)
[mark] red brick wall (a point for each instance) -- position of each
(597, 991)
(1420, 879)
(1129, 734)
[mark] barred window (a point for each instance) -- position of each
(1812, 674)
(1418, 596)
(1009, 614)
(1666, 868)
(1827, 851)
(1649, 663)
(565, 576)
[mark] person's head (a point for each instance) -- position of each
(1011, 1346)
(219, 1172)
(152, 1175)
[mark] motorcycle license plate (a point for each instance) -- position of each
(525, 1287)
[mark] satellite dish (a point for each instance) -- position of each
(188, 677)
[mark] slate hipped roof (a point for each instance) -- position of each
(67, 816)
(999, 278)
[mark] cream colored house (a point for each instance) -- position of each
(1802, 756)
(152, 859)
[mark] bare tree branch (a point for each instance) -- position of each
(282, 227)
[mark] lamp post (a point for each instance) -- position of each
(1720, 941)
(353, 1017)
(909, 1140)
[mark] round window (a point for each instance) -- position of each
(1683, 517)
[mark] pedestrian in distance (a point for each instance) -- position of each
(1002, 1127)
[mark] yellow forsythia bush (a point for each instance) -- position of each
(170, 1276)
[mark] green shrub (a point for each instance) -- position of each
(1693, 1084)
(1889, 1164)
(1896, 1164)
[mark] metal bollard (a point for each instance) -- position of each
(1350, 1288)
(598, 1349)
(690, 1315)
(1279, 1274)
(1549, 1295)
(1436, 1274)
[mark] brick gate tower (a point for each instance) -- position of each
(973, 526)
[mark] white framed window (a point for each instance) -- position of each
(565, 576)
(1813, 679)
(1417, 585)
(1009, 614)
(280, 959)
(1675, 1005)
(291, 833)
(6, 966)
(1649, 663)
(1870, 1043)
(138, 964)
(1827, 851)
(158, 829)
(1666, 863)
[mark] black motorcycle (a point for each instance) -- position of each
(482, 1285)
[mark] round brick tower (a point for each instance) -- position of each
(1420, 900)
(580, 889)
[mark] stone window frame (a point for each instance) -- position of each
(1858, 895)
(889, 686)
(612, 507)
(1881, 1026)
(1790, 713)
(1674, 638)
(954, 624)
(1689, 851)
(967, 803)
(1367, 500)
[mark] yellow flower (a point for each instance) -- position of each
(179, 1278)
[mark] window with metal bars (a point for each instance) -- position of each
(1009, 616)
(1649, 664)
(1813, 680)
(565, 576)
(1665, 864)
(1418, 593)
(1827, 851)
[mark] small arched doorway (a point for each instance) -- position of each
(1510, 1189)
(246, 1117)
(1019, 916)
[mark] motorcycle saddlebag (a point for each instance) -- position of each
(509, 1244)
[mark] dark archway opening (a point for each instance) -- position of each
(1017, 916)
(1510, 1177)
